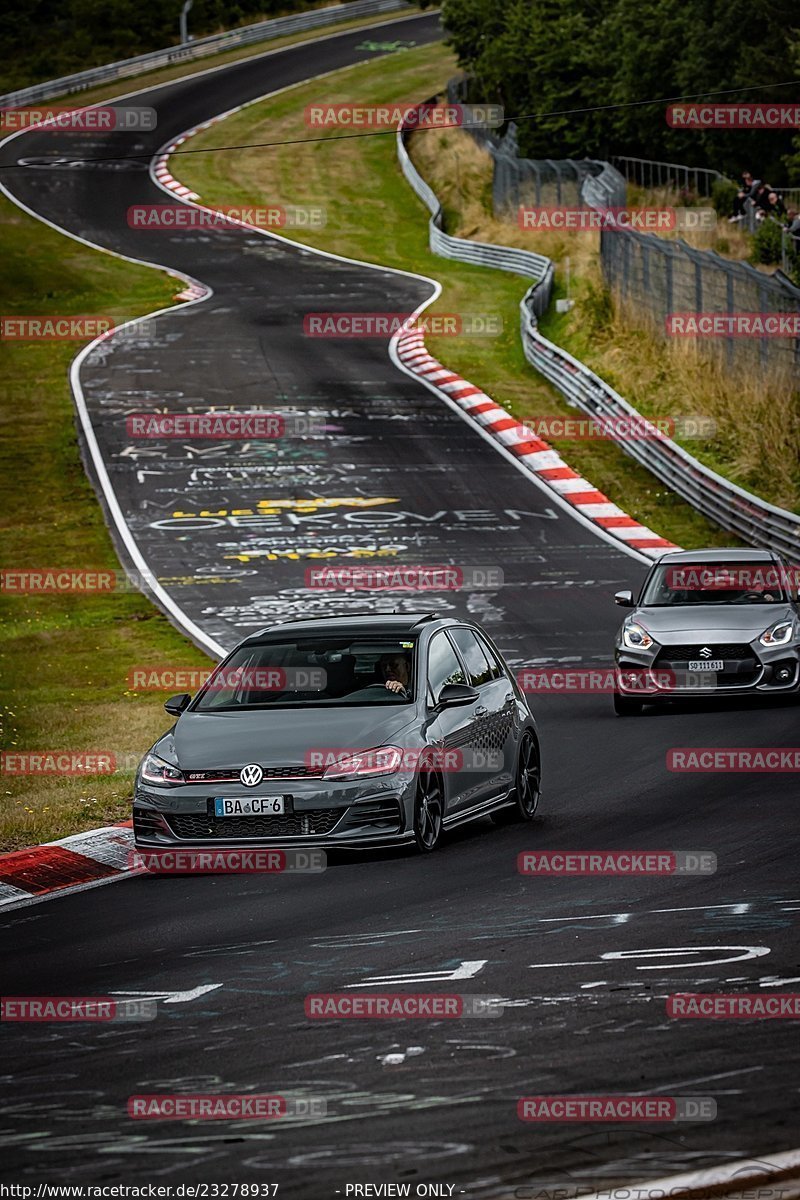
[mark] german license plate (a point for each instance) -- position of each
(713, 664)
(249, 806)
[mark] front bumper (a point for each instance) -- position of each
(319, 813)
(653, 675)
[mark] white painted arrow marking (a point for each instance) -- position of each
(667, 952)
(174, 997)
(467, 970)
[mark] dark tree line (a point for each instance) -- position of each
(542, 56)
(45, 39)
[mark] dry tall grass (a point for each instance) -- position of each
(757, 415)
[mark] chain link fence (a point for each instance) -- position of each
(656, 276)
(744, 514)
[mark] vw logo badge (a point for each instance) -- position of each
(251, 775)
(705, 652)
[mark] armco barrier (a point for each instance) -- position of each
(731, 507)
(214, 44)
(482, 254)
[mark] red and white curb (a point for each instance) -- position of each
(165, 178)
(161, 169)
(84, 859)
(536, 455)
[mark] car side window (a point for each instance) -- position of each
(443, 665)
(497, 668)
(478, 668)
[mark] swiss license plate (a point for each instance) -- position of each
(713, 664)
(249, 806)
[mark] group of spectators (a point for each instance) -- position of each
(766, 202)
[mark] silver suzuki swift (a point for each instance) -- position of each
(724, 622)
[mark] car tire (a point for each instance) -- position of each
(624, 706)
(428, 810)
(527, 785)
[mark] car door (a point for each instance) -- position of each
(504, 701)
(493, 735)
(452, 730)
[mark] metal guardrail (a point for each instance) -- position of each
(731, 507)
(214, 44)
(481, 254)
(650, 173)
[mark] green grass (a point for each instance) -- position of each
(372, 214)
(64, 659)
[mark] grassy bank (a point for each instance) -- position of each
(757, 441)
(372, 214)
(65, 658)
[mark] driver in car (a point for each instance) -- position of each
(396, 672)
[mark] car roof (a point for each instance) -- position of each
(732, 555)
(347, 623)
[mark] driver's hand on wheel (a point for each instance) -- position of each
(394, 685)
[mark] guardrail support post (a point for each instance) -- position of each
(184, 21)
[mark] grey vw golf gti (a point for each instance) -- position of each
(724, 622)
(351, 731)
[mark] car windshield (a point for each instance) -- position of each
(359, 670)
(680, 584)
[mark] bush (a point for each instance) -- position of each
(767, 242)
(723, 194)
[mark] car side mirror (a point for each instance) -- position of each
(176, 704)
(455, 695)
(624, 598)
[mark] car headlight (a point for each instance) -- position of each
(383, 761)
(156, 770)
(635, 637)
(778, 634)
